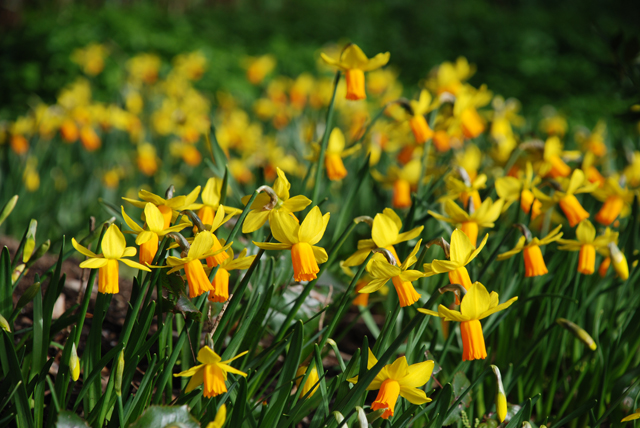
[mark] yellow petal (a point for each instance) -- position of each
(455, 211)
(254, 221)
(129, 252)
(94, 263)
(384, 231)
(296, 203)
(429, 312)
(202, 243)
(135, 265)
(460, 247)
(310, 225)
(498, 308)
(377, 61)
(189, 372)
(576, 180)
(113, 243)
(336, 141)
(475, 302)
(331, 61)
(383, 269)
(271, 245)
(398, 369)
(314, 239)
(211, 192)
(407, 236)
(585, 232)
(283, 227)
(196, 380)
(451, 315)
(320, 254)
(82, 250)
(207, 355)
(508, 188)
(444, 266)
(373, 286)
(353, 57)
(411, 258)
(281, 186)
(218, 219)
(414, 395)
(477, 250)
(130, 222)
(153, 217)
(230, 369)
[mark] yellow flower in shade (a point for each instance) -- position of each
(212, 372)
(617, 200)
(258, 68)
(169, 207)
(419, 126)
(587, 244)
(114, 249)
(398, 379)
(553, 165)
(220, 292)
(465, 110)
(148, 239)
(632, 417)
(311, 383)
(484, 216)
(263, 207)
(220, 419)
(449, 77)
(301, 240)
(511, 189)
(565, 197)
(476, 305)
(465, 189)
(402, 180)
(461, 252)
(200, 248)
(385, 233)
(354, 63)
(533, 262)
(334, 154)
(211, 201)
(382, 270)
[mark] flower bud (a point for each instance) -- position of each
(4, 324)
(619, 261)
(578, 332)
(8, 207)
(30, 243)
(74, 363)
(501, 397)
(119, 372)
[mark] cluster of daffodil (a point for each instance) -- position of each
(455, 158)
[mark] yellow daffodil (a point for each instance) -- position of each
(211, 201)
(587, 244)
(212, 372)
(419, 126)
(619, 261)
(565, 197)
(311, 384)
(511, 189)
(258, 68)
(632, 171)
(200, 248)
(354, 63)
(465, 110)
(334, 154)
(461, 252)
(553, 164)
(385, 233)
(470, 159)
(398, 379)
(381, 271)
(484, 216)
(553, 123)
(617, 199)
(300, 239)
(220, 292)
(169, 207)
(476, 305)
(465, 189)
(533, 261)
(114, 249)
(402, 180)
(593, 141)
(148, 239)
(264, 207)
(632, 417)
(448, 78)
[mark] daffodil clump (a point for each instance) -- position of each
(285, 209)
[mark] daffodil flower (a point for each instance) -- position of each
(461, 252)
(169, 207)
(419, 126)
(385, 233)
(114, 249)
(402, 180)
(263, 207)
(465, 189)
(354, 63)
(211, 201)
(381, 271)
(484, 216)
(449, 77)
(212, 372)
(398, 379)
(533, 261)
(569, 204)
(587, 244)
(221, 417)
(200, 248)
(553, 165)
(476, 305)
(617, 200)
(148, 239)
(465, 110)
(220, 292)
(334, 154)
(511, 189)
(301, 240)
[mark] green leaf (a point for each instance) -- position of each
(460, 384)
(68, 419)
(442, 405)
(166, 417)
(6, 287)
(26, 297)
(11, 367)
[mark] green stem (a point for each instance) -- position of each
(325, 139)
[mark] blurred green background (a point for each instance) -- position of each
(571, 54)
